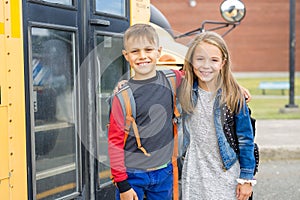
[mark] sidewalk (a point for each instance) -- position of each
(278, 139)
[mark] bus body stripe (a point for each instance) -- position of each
(1, 28)
(56, 190)
(15, 19)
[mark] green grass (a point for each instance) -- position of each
(252, 85)
(268, 106)
(269, 109)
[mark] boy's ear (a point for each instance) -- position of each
(159, 51)
(125, 54)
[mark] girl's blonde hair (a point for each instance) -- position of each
(231, 91)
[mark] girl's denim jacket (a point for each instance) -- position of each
(244, 135)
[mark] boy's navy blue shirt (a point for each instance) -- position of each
(154, 118)
(154, 113)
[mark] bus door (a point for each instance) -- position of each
(107, 23)
(52, 30)
(73, 61)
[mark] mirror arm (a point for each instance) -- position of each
(202, 28)
(193, 32)
(221, 25)
(232, 27)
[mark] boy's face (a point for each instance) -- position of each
(142, 55)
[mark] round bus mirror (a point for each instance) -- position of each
(233, 10)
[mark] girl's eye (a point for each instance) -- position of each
(216, 59)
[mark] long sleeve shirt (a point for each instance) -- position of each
(154, 114)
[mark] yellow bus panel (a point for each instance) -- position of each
(2, 19)
(13, 173)
(139, 11)
(4, 169)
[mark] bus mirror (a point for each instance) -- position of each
(232, 10)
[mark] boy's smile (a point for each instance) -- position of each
(142, 64)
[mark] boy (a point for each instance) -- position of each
(148, 171)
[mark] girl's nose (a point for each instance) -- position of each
(206, 63)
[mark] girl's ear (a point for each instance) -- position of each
(223, 63)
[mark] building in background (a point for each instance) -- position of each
(259, 43)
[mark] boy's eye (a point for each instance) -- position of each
(149, 49)
(134, 51)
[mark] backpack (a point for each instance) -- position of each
(125, 96)
(229, 130)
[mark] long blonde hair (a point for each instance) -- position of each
(231, 91)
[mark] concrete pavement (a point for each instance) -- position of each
(278, 139)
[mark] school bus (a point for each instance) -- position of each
(60, 60)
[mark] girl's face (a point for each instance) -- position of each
(207, 62)
(142, 57)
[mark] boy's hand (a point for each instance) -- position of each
(119, 86)
(243, 192)
(129, 195)
(246, 94)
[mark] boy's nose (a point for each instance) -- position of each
(142, 54)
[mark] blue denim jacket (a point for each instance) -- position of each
(243, 131)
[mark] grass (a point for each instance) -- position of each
(268, 106)
(269, 109)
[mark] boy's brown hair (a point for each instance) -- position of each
(141, 31)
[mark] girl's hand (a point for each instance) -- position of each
(243, 192)
(119, 86)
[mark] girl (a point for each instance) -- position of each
(212, 169)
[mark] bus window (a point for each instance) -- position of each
(54, 132)
(111, 67)
(63, 2)
(115, 7)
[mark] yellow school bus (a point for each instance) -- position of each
(60, 60)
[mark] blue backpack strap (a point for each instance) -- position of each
(171, 77)
(121, 99)
(125, 95)
(128, 89)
